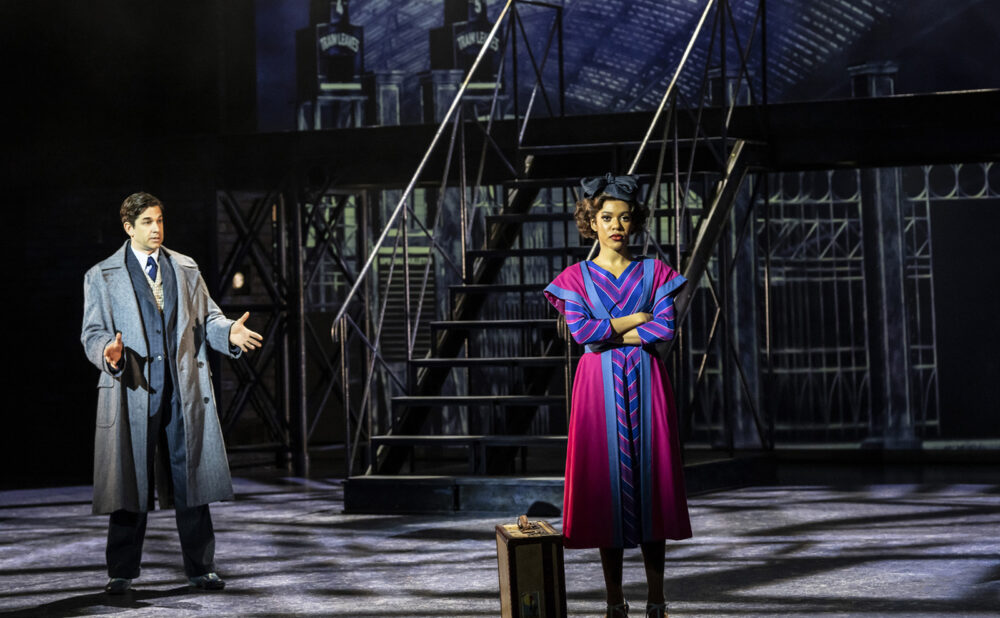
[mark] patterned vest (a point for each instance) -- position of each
(160, 326)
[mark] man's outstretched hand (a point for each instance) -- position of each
(113, 351)
(241, 336)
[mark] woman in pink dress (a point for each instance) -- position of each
(624, 479)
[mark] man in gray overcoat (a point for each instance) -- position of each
(148, 322)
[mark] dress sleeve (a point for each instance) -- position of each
(566, 295)
(666, 282)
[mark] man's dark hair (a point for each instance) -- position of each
(134, 204)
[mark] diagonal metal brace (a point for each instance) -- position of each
(710, 230)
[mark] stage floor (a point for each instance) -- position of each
(285, 548)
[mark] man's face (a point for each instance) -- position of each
(147, 233)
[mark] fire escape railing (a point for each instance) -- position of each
(360, 419)
(694, 242)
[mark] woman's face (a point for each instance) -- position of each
(613, 224)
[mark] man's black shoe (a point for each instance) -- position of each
(118, 585)
(208, 581)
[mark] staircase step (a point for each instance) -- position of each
(524, 361)
(537, 216)
(447, 494)
(471, 440)
(576, 252)
(512, 495)
(488, 324)
(471, 400)
(555, 217)
(488, 288)
(532, 252)
(562, 149)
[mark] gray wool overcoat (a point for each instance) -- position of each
(110, 306)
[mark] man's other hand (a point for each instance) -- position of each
(242, 337)
(113, 352)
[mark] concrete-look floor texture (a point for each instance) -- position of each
(286, 548)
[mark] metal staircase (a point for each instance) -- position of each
(483, 417)
(304, 217)
(502, 430)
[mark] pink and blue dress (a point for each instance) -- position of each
(624, 477)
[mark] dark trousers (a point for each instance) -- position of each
(127, 530)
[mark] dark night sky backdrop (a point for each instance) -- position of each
(106, 95)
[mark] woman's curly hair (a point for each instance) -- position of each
(588, 207)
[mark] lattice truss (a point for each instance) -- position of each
(714, 366)
(286, 255)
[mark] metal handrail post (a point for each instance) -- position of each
(670, 87)
(677, 197)
(763, 52)
(406, 284)
(723, 77)
(513, 50)
(489, 126)
(462, 204)
(299, 431)
(562, 76)
(540, 70)
(663, 100)
(423, 162)
(345, 382)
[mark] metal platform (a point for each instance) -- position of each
(950, 127)
(706, 471)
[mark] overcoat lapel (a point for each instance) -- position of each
(135, 385)
(124, 303)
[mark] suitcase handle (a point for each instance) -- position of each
(528, 527)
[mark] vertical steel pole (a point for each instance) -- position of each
(677, 193)
(725, 252)
(680, 333)
(345, 384)
(769, 381)
(299, 431)
(463, 206)
(763, 57)
(562, 78)
(769, 384)
(513, 43)
(405, 223)
(723, 77)
(725, 340)
(362, 213)
(279, 216)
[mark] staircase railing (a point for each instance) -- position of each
(360, 419)
(696, 243)
(691, 253)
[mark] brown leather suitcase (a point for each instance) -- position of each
(532, 576)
